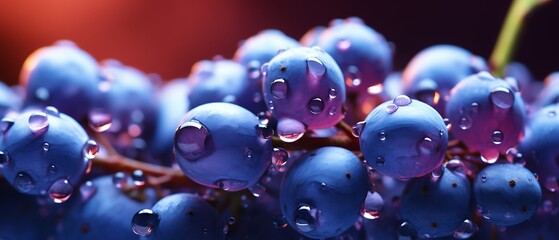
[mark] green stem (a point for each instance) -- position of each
(510, 32)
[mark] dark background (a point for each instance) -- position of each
(168, 37)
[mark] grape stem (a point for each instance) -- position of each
(510, 32)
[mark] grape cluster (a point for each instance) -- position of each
(317, 138)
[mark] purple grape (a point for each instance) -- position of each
(434, 71)
(322, 192)
(403, 138)
(549, 95)
(506, 194)
(304, 89)
(219, 145)
(487, 114)
(262, 47)
(45, 152)
(63, 76)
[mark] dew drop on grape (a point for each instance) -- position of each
(60, 190)
(144, 222)
(466, 230)
(489, 155)
(290, 130)
(357, 128)
(23, 182)
(38, 123)
(315, 105)
(497, 137)
(372, 206)
(120, 180)
(315, 66)
(502, 97)
(99, 120)
(305, 218)
(4, 159)
(279, 88)
(264, 131)
(138, 177)
(391, 108)
(402, 100)
(279, 157)
(332, 93)
(90, 149)
(52, 111)
(465, 123)
(191, 140)
(6, 124)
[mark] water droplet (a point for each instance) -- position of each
(465, 123)
(427, 147)
(382, 136)
(60, 190)
(138, 177)
(391, 108)
(447, 124)
(144, 221)
(230, 184)
(4, 159)
(264, 68)
(332, 111)
(465, 230)
(6, 124)
(23, 182)
(502, 97)
(380, 161)
(305, 218)
(257, 190)
(52, 111)
(315, 66)
(352, 76)
(279, 157)
(344, 44)
(489, 155)
(279, 88)
(263, 118)
(87, 190)
(332, 93)
(279, 222)
(357, 128)
(457, 166)
(290, 130)
(315, 105)
(191, 140)
(474, 108)
(264, 131)
(42, 94)
(483, 178)
(38, 123)
(437, 173)
(120, 180)
(551, 184)
(402, 100)
(484, 75)
(231, 220)
(99, 120)
(497, 137)
(90, 149)
(52, 169)
(46, 147)
(406, 230)
(372, 206)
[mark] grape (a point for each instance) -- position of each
(310, 38)
(173, 105)
(304, 89)
(487, 114)
(437, 207)
(218, 145)
(506, 194)
(102, 211)
(538, 147)
(179, 216)
(403, 138)
(363, 54)
(322, 192)
(129, 102)
(262, 47)
(549, 95)
(63, 76)
(434, 71)
(45, 152)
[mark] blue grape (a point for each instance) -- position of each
(219, 145)
(304, 89)
(173, 105)
(362, 53)
(130, 105)
(403, 138)
(549, 95)
(103, 211)
(9, 100)
(539, 146)
(63, 76)
(521, 74)
(487, 114)
(262, 47)
(179, 216)
(45, 152)
(223, 80)
(434, 71)
(506, 194)
(322, 192)
(310, 38)
(437, 207)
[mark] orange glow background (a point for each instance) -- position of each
(168, 37)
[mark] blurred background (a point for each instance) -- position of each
(168, 37)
